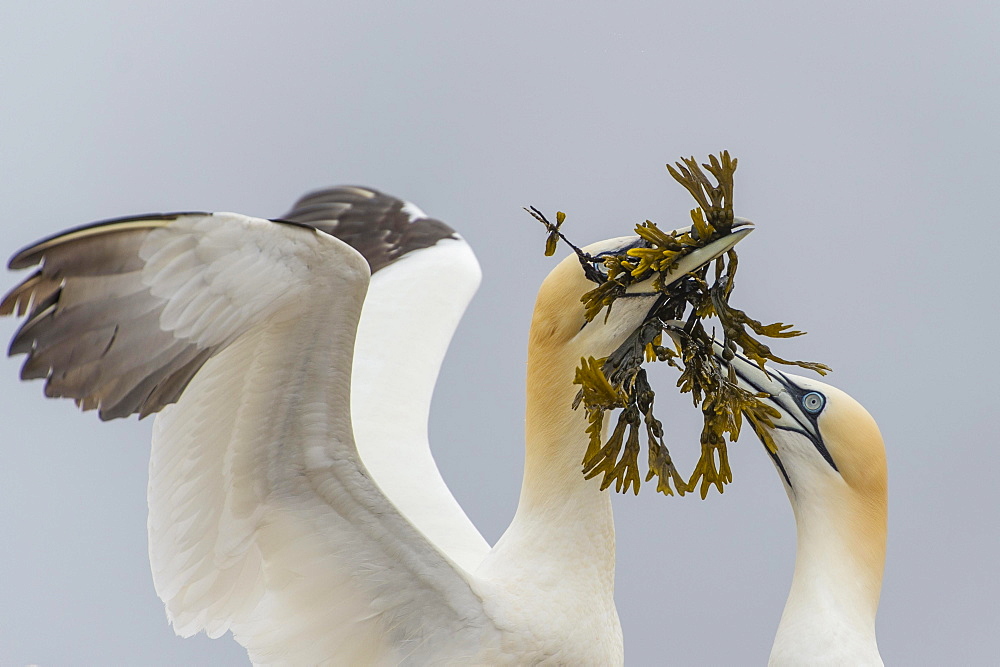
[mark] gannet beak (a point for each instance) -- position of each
(691, 262)
(714, 249)
(698, 258)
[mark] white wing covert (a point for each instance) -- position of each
(262, 519)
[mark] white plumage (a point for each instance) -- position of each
(294, 500)
(831, 459)
(263, 518)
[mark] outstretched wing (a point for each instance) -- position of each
(423, 276)
(96, 331)
(262, 519)
(103, 258)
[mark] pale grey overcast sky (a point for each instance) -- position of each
(868, 145)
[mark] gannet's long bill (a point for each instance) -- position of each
(263, 519)
(831, 459)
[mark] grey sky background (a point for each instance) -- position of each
(868, 146)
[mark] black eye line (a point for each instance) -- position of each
(774, 455)
(781, 466)
(593, 265)
(797, 393)
(637, 243)
(816, 442)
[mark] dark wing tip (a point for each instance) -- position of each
(32, 255)
(92, 343)
(381, 227)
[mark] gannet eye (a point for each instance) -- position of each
(813, 402)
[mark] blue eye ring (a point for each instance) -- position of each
(813, 402)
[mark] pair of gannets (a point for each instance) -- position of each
(293, 498)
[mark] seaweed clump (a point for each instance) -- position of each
(619, 381)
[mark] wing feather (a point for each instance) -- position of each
(262, 519)
(382, 228)
(423, 276)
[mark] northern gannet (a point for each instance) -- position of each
(831, 460)
(240, 332)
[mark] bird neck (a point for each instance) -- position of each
(840, 554)
(559, 550)
(555, 438)
(563, 522)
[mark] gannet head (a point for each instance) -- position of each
(831, 458)
(559, 314)
(823, 436)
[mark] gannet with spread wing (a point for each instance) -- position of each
(264, 517)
